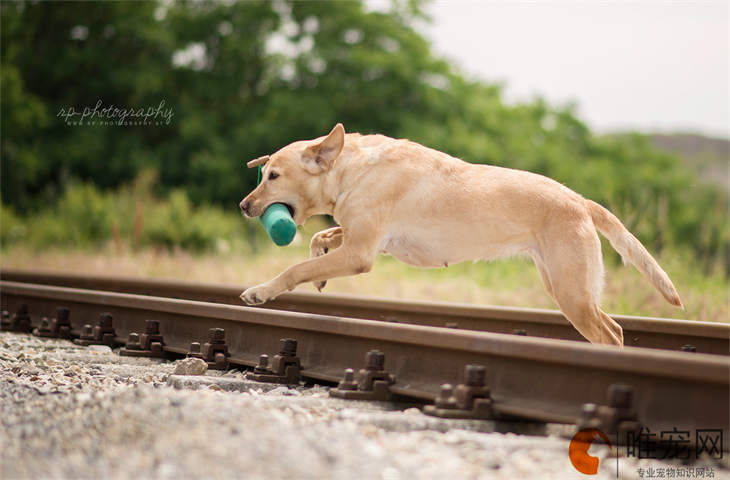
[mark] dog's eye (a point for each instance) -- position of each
(273, 175)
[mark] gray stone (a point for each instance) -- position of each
(190, 366)
(99, 349)
(226, 384)
(284, 390)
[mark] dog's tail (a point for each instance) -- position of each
(632, 251)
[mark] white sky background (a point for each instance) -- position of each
(650, 65)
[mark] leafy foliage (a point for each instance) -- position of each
(268, 73)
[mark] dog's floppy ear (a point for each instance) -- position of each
(319, 157)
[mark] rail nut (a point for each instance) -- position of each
(19, 321)
(43, 329)
(263, 365)
(288, 347)
(62, 316)
(446, 399)
(620, 396)
(475, 375)
(471, 399)
(348, 381)
(215, 350)
(216, 335)
(194, 350)
(87, 332)
(588, 417)
(144, 345)
(58, 327)
(618, 416)
(101, 334)
(156, 348)
(373, 382)
(374, 360)
(133, 342)
(152, 327)
(374, 371)
(589, 411)
(285, 369)
(105, 321)
(285, 366)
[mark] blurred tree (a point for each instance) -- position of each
(245, 78)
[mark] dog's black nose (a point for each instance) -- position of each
(245, 205)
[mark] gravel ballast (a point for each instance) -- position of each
(68, 411)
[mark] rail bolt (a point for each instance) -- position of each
(620, 396)
(195, 347)
(589, 411)
(263, 364)
(105, 320)
(288, 347)
(87, 330)
(475, 375)
(688, 348)
(374, 360)
(447, 390)
(45, 324)
(152, 327)
(348, 382)
(446, 397)
(216, 335)
(62, 314)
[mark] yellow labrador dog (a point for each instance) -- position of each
(429, 209)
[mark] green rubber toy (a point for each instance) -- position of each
(279, 224)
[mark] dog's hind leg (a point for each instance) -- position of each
(574, 271)
(321, 243)
(544, 275)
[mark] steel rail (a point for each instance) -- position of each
(537, 378)
(659, 333)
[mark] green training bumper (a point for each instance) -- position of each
(279, 224)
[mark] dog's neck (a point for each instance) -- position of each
(341, 180)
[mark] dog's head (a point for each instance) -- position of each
(292, 176)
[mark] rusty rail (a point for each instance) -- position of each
(537, 378)
(656, 333)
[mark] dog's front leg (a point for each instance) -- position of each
(322, 242)
(353, 257)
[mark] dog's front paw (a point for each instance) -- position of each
(320, 285)
(257, 295)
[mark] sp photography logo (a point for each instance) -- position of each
(578, 450)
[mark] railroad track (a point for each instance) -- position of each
(511, 376)
(657, 333)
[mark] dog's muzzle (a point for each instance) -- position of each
(245, 206)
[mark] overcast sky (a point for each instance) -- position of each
(651, 65)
